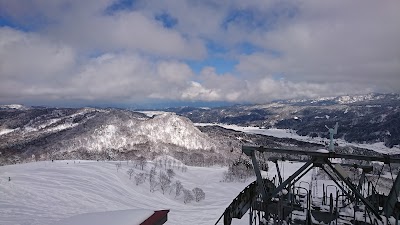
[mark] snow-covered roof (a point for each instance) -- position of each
(120, 217)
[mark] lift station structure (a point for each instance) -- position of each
(279, 201)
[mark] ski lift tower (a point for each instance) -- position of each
(269, 202)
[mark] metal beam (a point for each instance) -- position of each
(384, 158)
(278, 171)
(260, 181)
(354, 190)
(292, 177)
(392, 197)
(337, 183)
(302, 175)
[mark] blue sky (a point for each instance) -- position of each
(184, 52)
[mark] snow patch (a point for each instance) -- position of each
(120, 217)
(152, 113)
(6, 131)
(62, 127)
(322, 151)
(14, 106)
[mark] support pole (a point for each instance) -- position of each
(360, 183)
(292, 177)
(302, 175)
(260, 182)
(337, 183)
(278, 171)
(392, 198)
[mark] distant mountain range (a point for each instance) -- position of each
(363, 118)
(32, 133)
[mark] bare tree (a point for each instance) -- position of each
(159, 163)
(178, 166)
(178, 188)
(15, 159)
(140, 178)
(169, 163)
(196, 159)
(118, 165)
(164, 181)
(198, 194)
(130, 172)
(152, 179)
(238, 171)
(187, 196)
(170, 173)
(142, 162)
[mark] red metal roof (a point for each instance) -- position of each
(158, 218)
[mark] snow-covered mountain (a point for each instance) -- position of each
(367, 118)
(124, 133)
(345, 99)
(14, 106)
(97, 134)
(91, 133)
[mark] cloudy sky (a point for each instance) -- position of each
(152, 52)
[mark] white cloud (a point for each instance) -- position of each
(128, 31)
(304, 49)
(25, 54)
(130, 77)
(332, 41)
(34, 67)
(173, 72)
(85, 25)
(30, 64)
(197, 92)
(214, 87)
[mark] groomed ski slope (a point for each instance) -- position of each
(42, 193)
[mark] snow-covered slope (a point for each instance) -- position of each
(43, 193)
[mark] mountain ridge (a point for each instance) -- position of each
(62, 132)
(95, 133)
(363, 118)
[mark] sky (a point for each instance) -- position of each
(153, 53)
